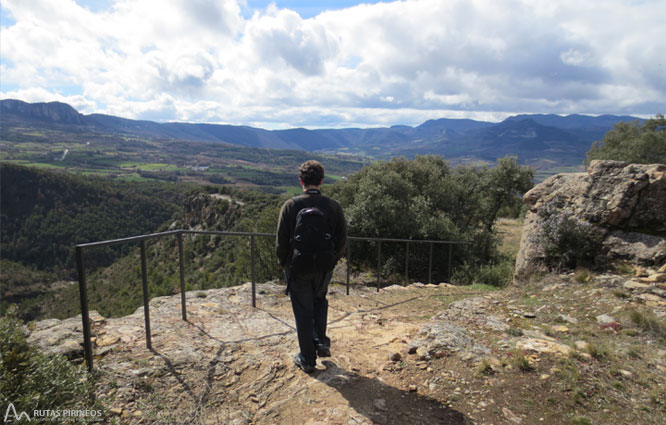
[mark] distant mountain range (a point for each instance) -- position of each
(544, 141)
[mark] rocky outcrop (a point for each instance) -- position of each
(205, 211)
(624, 206)
(56, 112)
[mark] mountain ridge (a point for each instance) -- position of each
(565, 138)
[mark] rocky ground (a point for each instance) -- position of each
(564, 349)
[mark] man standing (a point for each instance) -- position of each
(311, 238)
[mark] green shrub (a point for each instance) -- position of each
(497, 275)
(649, 323)
(522, 363)
(485, 368)
(597, 351)
(581, 420)
(624, 268)
(32, 380)
(582, 276)
(427, 199)
(566, 241)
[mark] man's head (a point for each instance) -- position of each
(311, 173)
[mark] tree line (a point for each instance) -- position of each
(45, 213)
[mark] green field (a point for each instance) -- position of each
(135, 159)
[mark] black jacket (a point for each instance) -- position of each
(287, 222)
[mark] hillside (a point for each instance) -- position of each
(548, 142)
(55, 136)
(209, 261)
(562, 350)
(44, 214)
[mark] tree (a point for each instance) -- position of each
(633, 142)
(425, 199)
(503, 185)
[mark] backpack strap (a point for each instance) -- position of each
(301, 202)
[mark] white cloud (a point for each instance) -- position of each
(281, 38)
(381, 64)
(38, 94)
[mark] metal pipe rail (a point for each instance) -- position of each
(83, 294)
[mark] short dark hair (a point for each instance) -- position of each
(311, 173)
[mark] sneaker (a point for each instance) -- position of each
(300, 362)
(323, 351)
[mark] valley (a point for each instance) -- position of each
(136, 159)
(39, 134)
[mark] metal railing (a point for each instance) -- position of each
(83, 293)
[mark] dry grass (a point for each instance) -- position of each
(649, 323)
(510, 231)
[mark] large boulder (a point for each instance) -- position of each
(624, 206)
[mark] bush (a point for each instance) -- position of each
(566, 241)
(581, 420)
(649, 323)
(32, 380)
(426, 199)
(520, 362)
(498, 275)
(582, 276)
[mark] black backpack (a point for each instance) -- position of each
(313, 241)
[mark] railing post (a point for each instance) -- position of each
(348, 248)
(379, 263)
(181, 265)
(254, 299)
(407, 262)
(430, 264)
(85, 316)
(448, 273)
(144, 284)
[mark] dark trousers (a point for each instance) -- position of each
(310, 306)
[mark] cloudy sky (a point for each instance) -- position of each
(346, 63)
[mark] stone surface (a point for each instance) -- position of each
(631, 285)
(543, 346)
(565, 318)
(582, 345)
(655, 278)
(440, 335)
(604, 319)
(508, 414)
(231, 363)
(635, 247)
(625, 203)
(60, 336)
(650, 297)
